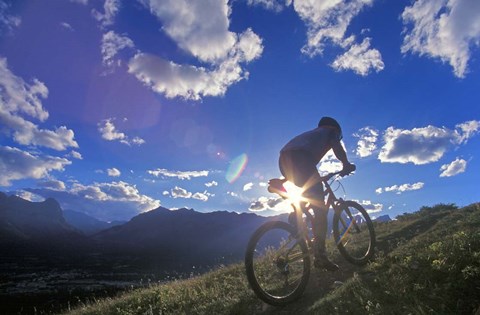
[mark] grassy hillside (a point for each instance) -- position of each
(427, 262)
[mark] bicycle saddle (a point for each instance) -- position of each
(275, 185)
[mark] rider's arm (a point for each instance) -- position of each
(340, 153)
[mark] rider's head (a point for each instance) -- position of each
(330, 122)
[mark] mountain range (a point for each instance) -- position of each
(161, 237)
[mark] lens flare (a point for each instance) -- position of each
(236, 167)
(294, 192)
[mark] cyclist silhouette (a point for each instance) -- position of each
(298, 164)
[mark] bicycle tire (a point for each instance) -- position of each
(275, 251)
(353, 233)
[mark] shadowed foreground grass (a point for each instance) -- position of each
(427, 262)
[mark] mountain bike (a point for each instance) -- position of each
(277, 259)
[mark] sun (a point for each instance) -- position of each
(294, 192)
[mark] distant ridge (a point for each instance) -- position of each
(185, 235)
(87, 224)
(21, 219)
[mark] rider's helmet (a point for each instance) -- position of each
(329, 121)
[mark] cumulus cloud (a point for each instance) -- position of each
(17, 164)
(66, 26)
(367, 141)
(178, 192)
(29, 196)
(84, 2)
(272, 5)
(19, 99)
(200, 29)
(200, 196)
(76, 155)
(113, 172)
(454, 168)
(110, 8)
(112, 43)
(370, 206)
(211, 184)
(53, 184)
(424, 145)
(247, 186)
(264, 203)
(445, 29)
(110, 132)
(327, 22)
(161, 172)
(7, 21)
(360, 59)
(400, 188)
(104, 201)
(330, 163)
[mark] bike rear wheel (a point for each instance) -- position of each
(277, 263)
(354, 233)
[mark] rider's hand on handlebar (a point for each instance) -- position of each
(347, 169)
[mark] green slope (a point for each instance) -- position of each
(427, 262)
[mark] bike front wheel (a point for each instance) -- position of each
(277, 263)
(354, 233)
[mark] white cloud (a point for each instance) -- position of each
(264, 203)
(424, 145)
(84, 2)
(191, 82)
(112, 43)
(111, 8)
(179, 192)
(443, 29)
(76, 155)
(66, 26)
(200, 196)
(7, 21)
(327, 22)
(177, 174)
(29, 196)
(17, 164)
(360, 59)
(330, 163)
(469, 129)
(110, 132)
(18, 98)
(211, 184)
(401, 188)
(272, 5)
(370, 206)
(52, 184)
(454, 168)
(247, 186)
(367, 142)
(105, 201)
(113, 172)
(200, 29)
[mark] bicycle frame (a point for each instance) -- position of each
(331, 202)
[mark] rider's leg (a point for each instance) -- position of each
(320, 228)
(300, 168)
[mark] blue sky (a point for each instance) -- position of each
(117, 107)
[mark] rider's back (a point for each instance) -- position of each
(317, 142)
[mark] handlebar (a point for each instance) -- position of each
(327, 177)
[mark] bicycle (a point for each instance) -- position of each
(277, 259)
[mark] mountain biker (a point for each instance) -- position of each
(298, 164)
